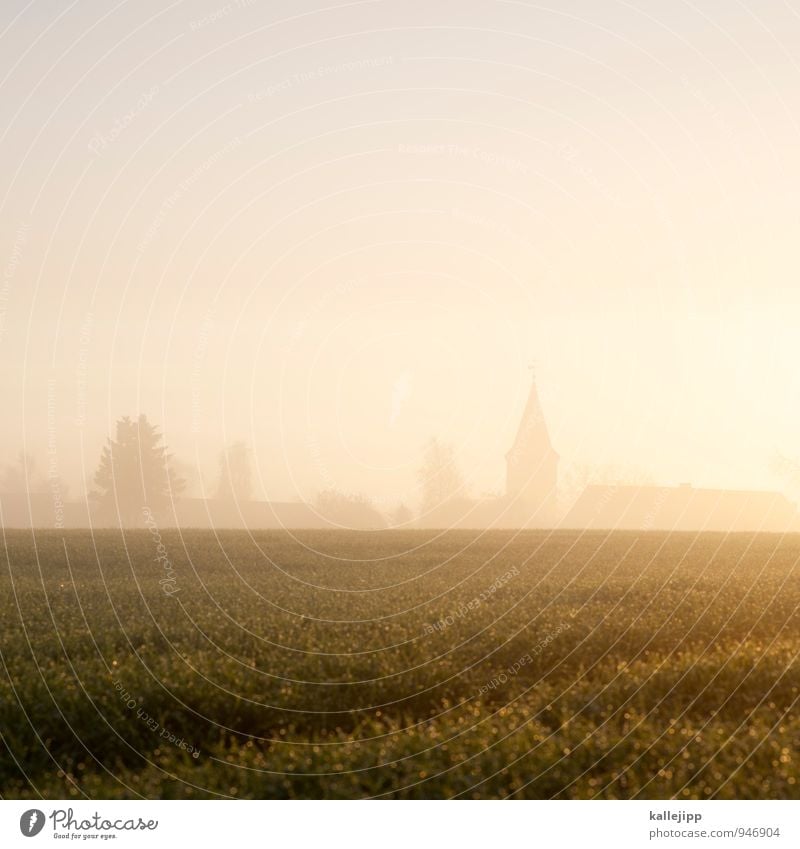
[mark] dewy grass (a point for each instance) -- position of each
(298, 665)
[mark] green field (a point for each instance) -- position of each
(400, 664)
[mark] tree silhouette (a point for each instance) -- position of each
(235, 480)
(348, 510)
(134, 474)
(439, 477)
(402, 516)
(22, 476)
(787, 468)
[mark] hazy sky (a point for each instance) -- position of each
(335, 230)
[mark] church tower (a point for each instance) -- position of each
(532, 469)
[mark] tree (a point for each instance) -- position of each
(135, 475)
(235, 480)
(22, 476)
(402, 516)
(348, 510)
(440, 479)
(788, 469)
(190, 474)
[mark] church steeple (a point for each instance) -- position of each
(532, 465)
(532, 438)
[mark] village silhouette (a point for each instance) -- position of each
(135, 481)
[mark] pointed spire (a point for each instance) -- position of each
(533, 438)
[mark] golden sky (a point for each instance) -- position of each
(335, 230)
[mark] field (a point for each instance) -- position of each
(399, 664)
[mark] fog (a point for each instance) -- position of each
(333, 234)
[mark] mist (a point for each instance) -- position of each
(336, 236)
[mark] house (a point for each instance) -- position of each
(254, 515)
(681, 508)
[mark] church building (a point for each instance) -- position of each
(532, 469)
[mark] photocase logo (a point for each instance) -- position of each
(66, 826)
(31, 822)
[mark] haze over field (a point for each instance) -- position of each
(400, 400)
(336, 231)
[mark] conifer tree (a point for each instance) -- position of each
(134, 475)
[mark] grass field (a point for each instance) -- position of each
(401, 664)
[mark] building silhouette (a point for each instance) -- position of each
(681, 508)
(530, 498)
(529, 501)
(532, 469)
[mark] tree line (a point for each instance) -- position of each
(136, 475)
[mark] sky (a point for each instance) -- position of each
(335, 230)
